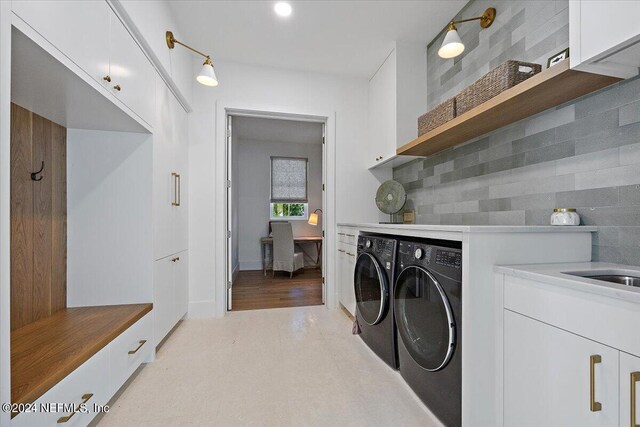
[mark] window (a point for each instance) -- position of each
(289, 211)
(289, 188)
(289, 179)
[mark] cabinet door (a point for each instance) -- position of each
(350, 266)
(382, 112)
(547, 377)
(180, 166)
(163, 181)
(340, 268)
(629, 389)
(163, 298)
(89, 382)
(132, 75)
(79, 29)
(607, 24)
(181, 285)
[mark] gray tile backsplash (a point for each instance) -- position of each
(584, 154)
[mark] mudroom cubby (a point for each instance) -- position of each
(81, 241)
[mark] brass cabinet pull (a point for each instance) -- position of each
(350, 254)
(107, 78)
(635, 378)
(141, 342)
(176, 189)
(341, 234)
(593, 405)
(66, 418)
(117, 87)
(176, 259)
(179, 190)
(350, 235)
(340, 250)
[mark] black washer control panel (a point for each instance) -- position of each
(449, 259)
(383, 248)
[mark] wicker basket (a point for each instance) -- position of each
(436, 117)
(499, 79)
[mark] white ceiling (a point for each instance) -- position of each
(276, 130)
(340, 37)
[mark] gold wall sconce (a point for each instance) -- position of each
(207, 75)
(452, 45)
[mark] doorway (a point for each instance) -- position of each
(275, 195)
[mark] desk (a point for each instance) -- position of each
(264, 241)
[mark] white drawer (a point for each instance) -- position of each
(610, 321)
(90, 378)
(348, 236)
(351, 237)
(129, 350)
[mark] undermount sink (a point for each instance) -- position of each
(622, 277)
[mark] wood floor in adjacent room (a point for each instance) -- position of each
(253, 290)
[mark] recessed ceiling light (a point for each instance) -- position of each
(282, 8)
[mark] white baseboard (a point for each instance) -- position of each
(202, 309)
(250, 265)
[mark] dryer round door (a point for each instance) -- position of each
(371, 289)
(424, 317)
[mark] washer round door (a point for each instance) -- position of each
(424, 317)
(371, 288)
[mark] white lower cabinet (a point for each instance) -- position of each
(547, 377)
(133, 347)
(94, 382)
(346, 260)
(567, 356)
(181, 287)
(88, 384)
(171, 293)
(629, 390)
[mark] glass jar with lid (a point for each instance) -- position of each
(565, 216)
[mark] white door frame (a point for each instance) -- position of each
(224, 108)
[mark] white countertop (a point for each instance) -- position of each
(555, 274)
(473, 228)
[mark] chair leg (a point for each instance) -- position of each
(291, 275)
(273, 274)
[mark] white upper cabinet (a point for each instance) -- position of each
(79, 29)
(132, 75)
(397, 96)
(605, 36)
(382, 111)
(93, 38)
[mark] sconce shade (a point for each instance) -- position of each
(452, 45)
(207, 76)
(313, 219)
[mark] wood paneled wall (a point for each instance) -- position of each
(38, 217)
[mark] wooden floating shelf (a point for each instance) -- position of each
(550, 88)
(47, 350)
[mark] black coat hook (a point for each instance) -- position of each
(34, 175)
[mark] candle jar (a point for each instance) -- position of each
(565, 216)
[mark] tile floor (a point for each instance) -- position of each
(278, 367)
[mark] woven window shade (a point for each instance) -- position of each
(288, 180)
